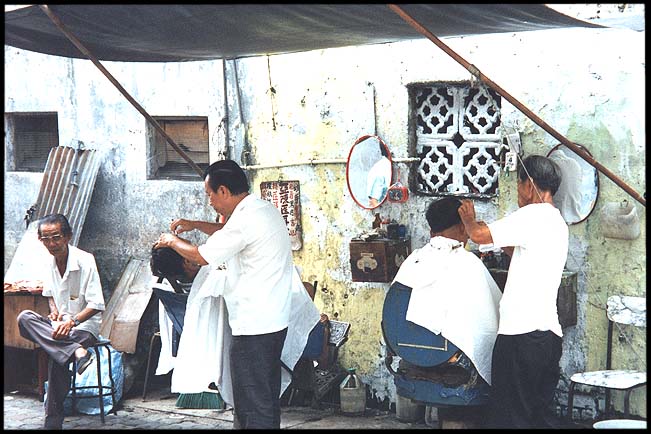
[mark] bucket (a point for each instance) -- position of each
(352, 395)
(620, 424)
(409, 411)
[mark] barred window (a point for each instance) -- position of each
(29, 136)
(190, 133)
(458, 139)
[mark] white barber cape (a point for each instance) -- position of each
(203, 354)
(205, 342)
(453, 294)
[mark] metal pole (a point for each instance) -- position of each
(474, 71)
(57, 22)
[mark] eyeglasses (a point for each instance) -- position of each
(54, 238)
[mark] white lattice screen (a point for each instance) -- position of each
(458, 139)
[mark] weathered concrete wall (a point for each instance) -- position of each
(587, 84)
(127, 211)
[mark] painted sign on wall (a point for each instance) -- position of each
(286, 196)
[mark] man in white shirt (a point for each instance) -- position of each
(452, 292)
(72, 285)
(254, 243)
(379, 178)
(528, 347)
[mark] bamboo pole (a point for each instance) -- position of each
(474, 71)
(57, 22)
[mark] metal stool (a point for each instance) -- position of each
(155, 336)
(101, 393)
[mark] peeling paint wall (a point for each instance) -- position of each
(282, 109)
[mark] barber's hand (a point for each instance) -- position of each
(62, 328)
(467, 211)
(53, 316)
(179, 226)
(165, 240)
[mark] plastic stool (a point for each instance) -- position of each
(100, 388)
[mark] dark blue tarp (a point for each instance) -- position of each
(171, 32)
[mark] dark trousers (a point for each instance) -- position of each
(525, 374)
(255, 374)
(60, 353)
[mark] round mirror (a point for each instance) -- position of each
(369, 171)
(577, 195)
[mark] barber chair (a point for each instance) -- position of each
(174, 304)
(318, 382)
(432, 370)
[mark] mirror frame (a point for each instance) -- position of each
(350, 153)
(583, 148)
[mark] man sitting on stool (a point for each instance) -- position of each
(452, 291)
(72, 285)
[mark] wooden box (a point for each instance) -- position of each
(377, 260)
(14, 303)
(566, 301)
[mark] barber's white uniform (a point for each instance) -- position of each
(453, 294)
(203, 354)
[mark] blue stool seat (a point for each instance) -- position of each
(102, 390)
(421, 348)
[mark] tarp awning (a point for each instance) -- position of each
(171, 33)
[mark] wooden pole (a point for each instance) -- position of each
(531, 115)
(57, 22)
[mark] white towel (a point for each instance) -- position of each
(454, 295)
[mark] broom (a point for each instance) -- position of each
(203, 400)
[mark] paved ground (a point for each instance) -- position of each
(24, 412)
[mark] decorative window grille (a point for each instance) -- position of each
(458, 140)
(191, 134)
(29, 136)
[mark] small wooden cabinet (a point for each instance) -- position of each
(14, 303)
(377, 260)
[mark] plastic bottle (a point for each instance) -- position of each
(352, 394)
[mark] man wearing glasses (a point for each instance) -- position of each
(72, 285)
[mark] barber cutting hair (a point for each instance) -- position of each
(528, 347)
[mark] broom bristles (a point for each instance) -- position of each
(202, 400)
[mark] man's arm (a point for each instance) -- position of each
(477, 231)
(179, 226)
(54, 312)
(62, 328)
(182, 247)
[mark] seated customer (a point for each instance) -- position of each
(453, 294)
(171, 270)
(165, 263)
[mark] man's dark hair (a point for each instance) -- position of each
(229, 174)
(166, 262)
(383, 149)
(59, 219)
(544, 171)
(442, 214)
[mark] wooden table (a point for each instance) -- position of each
(14, 303)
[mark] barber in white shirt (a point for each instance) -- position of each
(528, 347)
(256, 246)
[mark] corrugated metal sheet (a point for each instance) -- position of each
(68, 183)
(67, 186)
